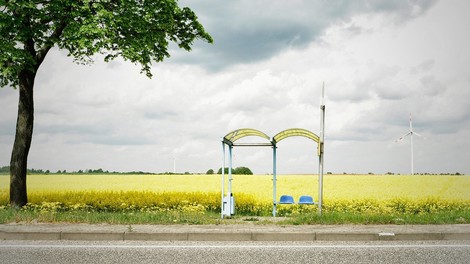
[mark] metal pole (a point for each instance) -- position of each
(274, 179)
(223, 181)
(321, 146)
(411, 139)
(412, 158)
(230, 170)
(229, 202)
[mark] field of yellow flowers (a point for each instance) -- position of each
(375, 194)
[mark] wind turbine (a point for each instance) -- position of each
(411, 133)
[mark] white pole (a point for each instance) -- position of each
(230, 170)
(321, 146)
(274, 180)
(223, 181)
(230, 178)
(411, 139)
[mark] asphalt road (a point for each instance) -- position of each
(234, 252)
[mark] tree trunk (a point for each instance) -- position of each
(23, 137)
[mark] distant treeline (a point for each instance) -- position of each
(392, 173)
(6, 170)
(239, 170)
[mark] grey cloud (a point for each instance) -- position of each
(160, 115)
(7, 127)
(350, 93)
(405, 8)
(432, 87)
(88, 134)
(9, 104)
(7, 123)
(425, 66)
(391, 93)
(109, 110)
(439, 127)
(112, 140)
(382, 82)
(70, 129)
(251, 31)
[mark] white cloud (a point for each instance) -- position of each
(379, 60)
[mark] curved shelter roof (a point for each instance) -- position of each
(298, 132)
(235, 135)
(292, 132)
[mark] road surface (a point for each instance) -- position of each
(234, 252)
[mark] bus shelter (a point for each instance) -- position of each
(230, 140)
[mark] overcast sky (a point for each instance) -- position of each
(380, 61)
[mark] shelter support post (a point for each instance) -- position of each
(321, 147)
(320, 183)
(274, 179)
(227, 206)
(223, 182)
(230, 170)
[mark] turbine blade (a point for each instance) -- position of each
(402, 137)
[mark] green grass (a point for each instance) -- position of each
(335, 218)
(8, 215)
(90, 217)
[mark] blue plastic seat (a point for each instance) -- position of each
(306, 200)
(286, 199)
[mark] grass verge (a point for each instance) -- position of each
(93, 217)
(8, 215)
(334, 218)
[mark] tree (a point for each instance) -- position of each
(243, 171)
(138, 31)
(4, 169)
(210, 171)
(237, 170)
(225, 171)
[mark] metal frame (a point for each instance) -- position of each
(292, 132)
(231, 138)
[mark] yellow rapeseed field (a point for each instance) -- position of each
(380, 187)
(253, 193)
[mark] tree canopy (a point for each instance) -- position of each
(138, 31)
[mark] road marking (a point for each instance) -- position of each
(9, 246)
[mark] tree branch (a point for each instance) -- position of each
(41, 55)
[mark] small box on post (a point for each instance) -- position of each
(228, 205)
